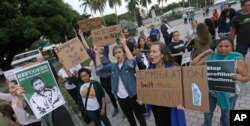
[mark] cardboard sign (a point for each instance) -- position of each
(106, 36)
(220, 75)
(41, 90)
(160, 87)
(195, 88)
(90, 24)
(71, 53)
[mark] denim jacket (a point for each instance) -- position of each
(126, 73)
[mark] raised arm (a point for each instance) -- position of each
(85, 44)
(127, 51)
(200, 59)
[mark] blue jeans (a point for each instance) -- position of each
(225, 114)
(96, 118)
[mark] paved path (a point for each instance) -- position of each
(193, 118)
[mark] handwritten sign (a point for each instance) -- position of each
(106, 36)
(71, 53)
(220, 75)
(90, 24)
(160, 87)
(195, 88)
(186, 58)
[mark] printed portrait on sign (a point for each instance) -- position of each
(41, 90)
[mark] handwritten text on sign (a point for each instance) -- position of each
(106, 36)
(90, 24)
(160, 87)
(71, 53)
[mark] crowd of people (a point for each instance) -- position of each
(118, 78)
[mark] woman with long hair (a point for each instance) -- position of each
(202, 41)
(226, 101)
(160, 58)
(211, 27)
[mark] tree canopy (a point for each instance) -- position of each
(24, 21)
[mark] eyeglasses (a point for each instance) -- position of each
(176, 35)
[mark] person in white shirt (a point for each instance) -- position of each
(17, 103)
(191, 32)
(66, 79)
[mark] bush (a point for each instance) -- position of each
(130, 25)
(110, 19)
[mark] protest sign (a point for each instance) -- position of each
(71, 53)
(10, 74)
(195, 88)
(220, 75)
(106, 36)
(41, 90)
(186, 58)
(160, 87)
(90, 24)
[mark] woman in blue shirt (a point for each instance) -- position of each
(225, 100)
(123, 83)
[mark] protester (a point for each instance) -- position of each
(105, 78)
(177, 47)
(224, 23)
(210, 26)
(161, 58)
(225, 100)
(67, 79)
(202, 41)
(59, 116)
(130, 40)
(185, 16)
(232, 11)
(92, 98)
(241, 28)
(191, 32)
(215, 18)
(166, 31)
(142, 35)
(154, 32)
(123, 81)
(18, 104)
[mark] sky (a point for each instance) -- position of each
(120, 10)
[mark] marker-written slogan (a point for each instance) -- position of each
(160, 87)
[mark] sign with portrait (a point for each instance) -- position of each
(220, 74)
(90, 24)
(106, 36)
(41, 90)
(71, 53)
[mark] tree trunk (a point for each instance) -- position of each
(117, 20)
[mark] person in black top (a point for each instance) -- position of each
(177, 47)
(241, 27)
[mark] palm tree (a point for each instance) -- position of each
(113, 4)
(145, 3)
(100, 6)
(161, 1)
(86, 4)
(132, 6)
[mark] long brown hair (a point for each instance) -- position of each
(167, 58)
(203, 34)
